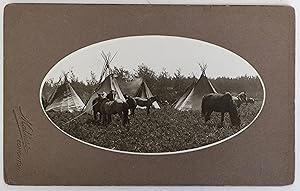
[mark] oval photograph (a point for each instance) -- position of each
(152, 94)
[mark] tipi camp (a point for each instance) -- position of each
(109, 83)
(64, 98)
(192, 97)
(144, 92)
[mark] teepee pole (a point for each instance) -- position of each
(107, 61)
(203, 67)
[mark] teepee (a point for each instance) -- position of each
(109, 83)
(192, 97)
(144, 92)
(64, 98)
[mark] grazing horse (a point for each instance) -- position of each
(96, 105)
(131, 104)
(250, 100)
(220, 103)
(109, 108)
(145, 102)
(240, 99)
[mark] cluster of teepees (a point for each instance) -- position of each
(64, 98)
(192, 97)
(110, 83)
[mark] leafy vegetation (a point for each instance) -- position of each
(164, 130)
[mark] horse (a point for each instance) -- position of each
(240, 99)
(250, 100)
(145, 102)
(96, 105)
(131, 104)
(111, 95)
(117, 106)
(220, 103)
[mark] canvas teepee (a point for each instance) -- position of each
(64, 98)
(192, 97)
(144, 92)
(109, 83)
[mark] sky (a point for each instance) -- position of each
(157, 52)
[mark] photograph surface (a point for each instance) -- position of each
(152, 94)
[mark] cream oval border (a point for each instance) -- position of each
(161, 153)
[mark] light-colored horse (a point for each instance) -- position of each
(250, 100)
(145, 102)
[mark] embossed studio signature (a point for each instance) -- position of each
(25, 130)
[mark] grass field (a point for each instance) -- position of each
(164, 130)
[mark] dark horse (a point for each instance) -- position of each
(240, 99)
(109, 108)
(145, 102)
(220, 103)
(131, 103)
(106, 108)
(111, 95)
(96, 105)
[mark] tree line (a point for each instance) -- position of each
(166, 86)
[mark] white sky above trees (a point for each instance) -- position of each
(157, 52)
